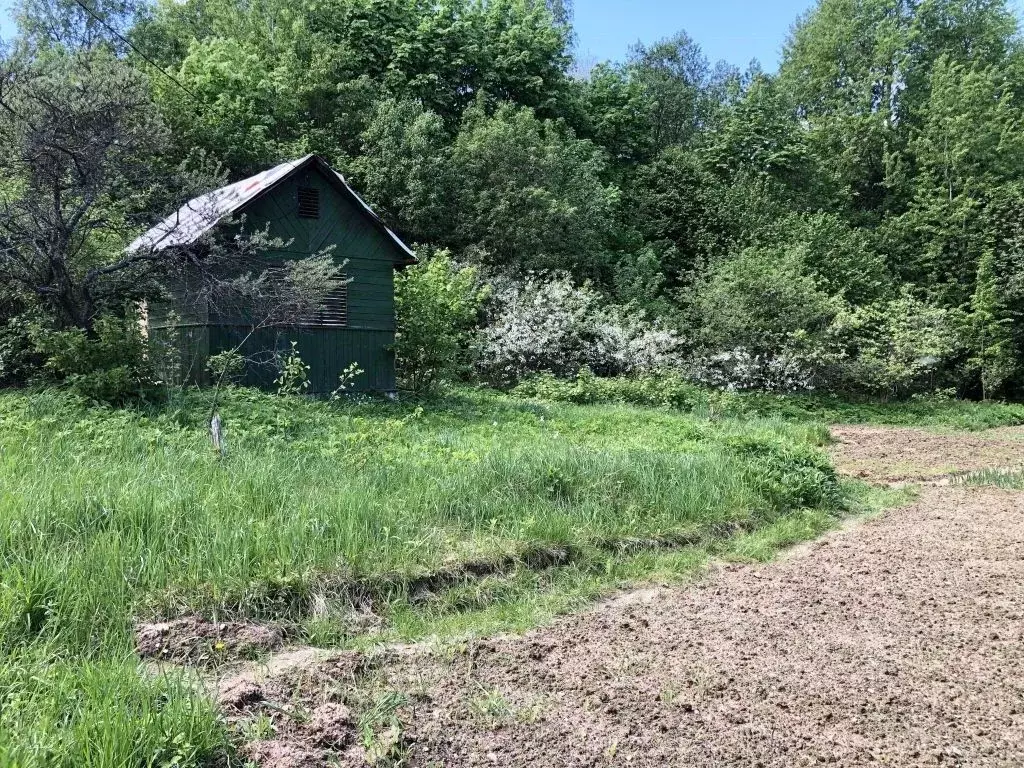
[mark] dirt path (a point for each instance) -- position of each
(897, 642)
(899, 453)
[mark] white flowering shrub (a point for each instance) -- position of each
(739, 369)
(762, 321)
(545, 323)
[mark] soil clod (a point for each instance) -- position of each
(197, 642)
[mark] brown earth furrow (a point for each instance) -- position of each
(893, 454)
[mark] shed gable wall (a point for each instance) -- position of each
(369, 253)
(369, 257)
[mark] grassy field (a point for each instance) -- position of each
(478, 513)
(940, 413)
(674, 392)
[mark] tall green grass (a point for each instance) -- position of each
(107, 516)
(671, 390)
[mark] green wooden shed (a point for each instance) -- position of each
(310, 206)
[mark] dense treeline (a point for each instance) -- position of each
(853, 222)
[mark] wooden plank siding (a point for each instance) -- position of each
(327, 351)
(369, 257)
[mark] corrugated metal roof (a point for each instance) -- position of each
(201, 214)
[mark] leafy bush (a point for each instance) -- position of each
(789, 474)
(111, 365)
(19, 358)
(766, 323)
(293, 377)
(668, 389)
(842, 259)
(529, 193)
(438, 304)
(546, 323)
(897, 347)
(763, 323)
(226, 367)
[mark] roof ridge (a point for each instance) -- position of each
(201, 214)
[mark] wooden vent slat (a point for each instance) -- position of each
(309, 203)
(334, 312)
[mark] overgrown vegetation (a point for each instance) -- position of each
(850, 224)
(320, 511)
(673, 269)
(673, 391)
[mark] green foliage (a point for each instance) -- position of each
(438, 306)
(791, 472)
(293, 376)
(226, 367)
(271, 78)
(843, 259)
(249, 105)
(900, 346)
(405, 168)
(761, 137)
(675, 79)
(996, 356)
(613, 113)
(936, 410)
(654, 390)
(671, 390)
(19, 356)
(677, 204)
(346, 379)
(763, 301)
(110, 365)
(530, 194)
(884, 157)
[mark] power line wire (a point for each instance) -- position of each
(135, 48)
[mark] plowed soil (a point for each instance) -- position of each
(905, 454)
(899, 641)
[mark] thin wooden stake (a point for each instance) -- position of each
(220, 443)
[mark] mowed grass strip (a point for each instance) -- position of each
(476, 503)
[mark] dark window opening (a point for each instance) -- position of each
(309, 203)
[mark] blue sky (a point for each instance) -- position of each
(6, 26)
(734, 30)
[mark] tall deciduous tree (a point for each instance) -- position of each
(676, 78)
(84, 172)
(530, 194)
(405, 168)
(83, 153)
(272, 76)
(967, 148)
